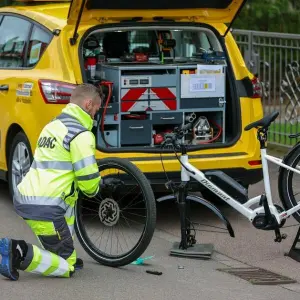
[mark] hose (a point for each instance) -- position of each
(109, 85)
(217, 136)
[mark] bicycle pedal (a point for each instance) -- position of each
(280, 237)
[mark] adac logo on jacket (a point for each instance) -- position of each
(46, 142)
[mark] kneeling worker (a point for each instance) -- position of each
(64, 163)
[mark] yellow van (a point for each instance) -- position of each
(160, 63)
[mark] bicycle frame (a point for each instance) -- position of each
(244, 209)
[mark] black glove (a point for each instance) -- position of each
(110, 182)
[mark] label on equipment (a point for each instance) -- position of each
(209, 81)
(203, 84)
(92, 69)
(210, 70)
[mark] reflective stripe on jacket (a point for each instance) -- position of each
(64, 162)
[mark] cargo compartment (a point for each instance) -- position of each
(157, 79)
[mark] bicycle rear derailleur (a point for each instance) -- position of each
(267, 221)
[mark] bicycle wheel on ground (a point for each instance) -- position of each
(117, 227)
(289, 184)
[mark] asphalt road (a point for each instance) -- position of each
(251, 246)
(198, 278)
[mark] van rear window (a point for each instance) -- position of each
(158, 4)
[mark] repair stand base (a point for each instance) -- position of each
(188, 246)
(295, 249)
(203, 251)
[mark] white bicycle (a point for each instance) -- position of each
(265, 216)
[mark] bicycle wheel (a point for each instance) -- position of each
(114, 211)
(289, 185)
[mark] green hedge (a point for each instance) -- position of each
(270, 15)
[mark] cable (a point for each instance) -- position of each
(216, 137)
(163, 166)
(109, 84)
(181, 162)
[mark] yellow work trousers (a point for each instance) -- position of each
(57, 255)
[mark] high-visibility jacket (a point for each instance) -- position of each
(64, 163)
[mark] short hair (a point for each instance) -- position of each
(85, 91)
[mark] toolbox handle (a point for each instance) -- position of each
(167, 118)
(136, 127)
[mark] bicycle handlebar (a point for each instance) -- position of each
(178, 133)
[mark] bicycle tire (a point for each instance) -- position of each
(284, 184)
(149, 229)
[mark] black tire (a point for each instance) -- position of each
(148, 231)
(285, 184)
(20, 138)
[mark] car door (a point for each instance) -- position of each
(14, 35)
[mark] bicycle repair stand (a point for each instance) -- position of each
(187, 247)
(295, 251)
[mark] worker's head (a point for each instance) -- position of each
(88, 97)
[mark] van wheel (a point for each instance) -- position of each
(19, 162)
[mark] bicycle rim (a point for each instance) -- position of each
(97, 252)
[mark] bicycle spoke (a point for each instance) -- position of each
(125, 195)
(112, 234)
(127, 207)
(90, 209)
(101, 237)
(131, 220)
(131, 201)
(106, 242)
(94, 214)
(134, 208)
(90, 200)
(123, 234)
(136, 215)
(128, 224)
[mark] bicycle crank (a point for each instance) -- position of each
(265, 222)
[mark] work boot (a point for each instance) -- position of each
(10, 258)
(79, 264)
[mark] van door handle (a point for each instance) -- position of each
(4, 87)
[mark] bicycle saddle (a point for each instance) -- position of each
(264, 122)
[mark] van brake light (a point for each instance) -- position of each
(56, 92)
(257, 88)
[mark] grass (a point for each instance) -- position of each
(279, 133)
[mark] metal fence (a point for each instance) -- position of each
(275, 58)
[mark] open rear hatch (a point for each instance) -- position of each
(211, 11)
(157, 78)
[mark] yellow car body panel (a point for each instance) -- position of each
(60, 62)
